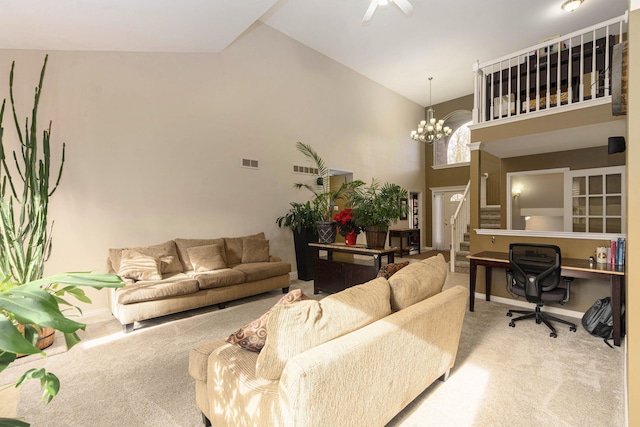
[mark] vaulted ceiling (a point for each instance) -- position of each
(440, 38)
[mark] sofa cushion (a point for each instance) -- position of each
(233, 246)
(263, 270)
(295, 328)
(184, 244)
(137, 266)
(253, 335)
(417, 281)
(175, 285)
(166, 252)
(389, 270)
(205, 258)
(255, 250)
(218, 278)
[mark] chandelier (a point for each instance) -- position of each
(430, 130)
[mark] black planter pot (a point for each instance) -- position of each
(304, 254)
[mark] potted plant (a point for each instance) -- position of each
(301, 219)
(28, 303)
(375, 207)
(347, 226)
(325, 198)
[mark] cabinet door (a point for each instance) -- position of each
(328, 276)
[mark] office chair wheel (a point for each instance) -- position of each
(553, 335)
(512, 324)
(509, 314)
(572, 328)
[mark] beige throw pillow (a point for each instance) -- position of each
(295, 328)
(166, 252)
(137, 266)
(255, 250)
(252, 336)
(417, 281)
(206, 258)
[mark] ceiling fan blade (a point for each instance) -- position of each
(404, 6)
(369, 14)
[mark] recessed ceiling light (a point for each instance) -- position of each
(571, 5)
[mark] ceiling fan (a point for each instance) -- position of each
(403, 5)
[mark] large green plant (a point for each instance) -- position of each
(325, 198)
(379, 206)
(28, 302)
(300, 216)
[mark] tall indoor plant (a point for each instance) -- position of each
(29, 303)
(377, 206)
(301, 218)
(324, 197)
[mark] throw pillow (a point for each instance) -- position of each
(389, 270)
(255, 250)
(253, 335)
(137, 266)
(417, 281)
(166, 252)
(295, 328)
(206, 258)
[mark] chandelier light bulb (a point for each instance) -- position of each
(430, 130)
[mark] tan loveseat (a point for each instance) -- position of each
(184, 274)
(355, 358)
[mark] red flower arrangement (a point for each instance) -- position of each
(345, 222)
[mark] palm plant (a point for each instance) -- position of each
(29, 303)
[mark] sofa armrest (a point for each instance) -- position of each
(384, 365)
(274, 258)
(199, 357)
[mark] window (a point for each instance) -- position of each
(454, 150)
(596, 202)
(458, 147)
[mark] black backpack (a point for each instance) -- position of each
(598, 319)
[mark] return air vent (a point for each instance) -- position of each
(306, 170)
(251, 164)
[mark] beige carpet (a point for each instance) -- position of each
(503, 376)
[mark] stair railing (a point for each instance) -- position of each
(460, 221)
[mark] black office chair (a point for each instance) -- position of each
(535, 275)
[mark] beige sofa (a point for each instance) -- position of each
(354, 358)
(184, 274)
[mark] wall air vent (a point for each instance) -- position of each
(306, 170)
(251, 164)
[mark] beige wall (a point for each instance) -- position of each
(633, 233)
(155, 141)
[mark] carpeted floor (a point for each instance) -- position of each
(503, 376)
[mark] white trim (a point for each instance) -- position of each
(635, 4)
(474, 146)
(454, 165)
(450, 188)
(549, 234)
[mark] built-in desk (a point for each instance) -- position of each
(571, 267)
(334, 275)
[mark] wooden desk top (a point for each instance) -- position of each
(355, 249)
(567, 263)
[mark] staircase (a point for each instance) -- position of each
(489, 218)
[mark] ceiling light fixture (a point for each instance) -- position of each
(430, 130)
(571, 5)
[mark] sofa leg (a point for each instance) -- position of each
(285, 290)
(206, 421)
(222, 305)
(127, 328)
(445, 376)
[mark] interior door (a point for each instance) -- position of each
(451, 201)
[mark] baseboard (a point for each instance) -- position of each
(293, 275)
(524, 304)
(90, 314)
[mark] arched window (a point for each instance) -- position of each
(456, 197)
(458, 147)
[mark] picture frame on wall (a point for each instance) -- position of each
(404, 203)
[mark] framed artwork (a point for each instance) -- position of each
(404, 203)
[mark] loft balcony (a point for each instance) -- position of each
(575, 71)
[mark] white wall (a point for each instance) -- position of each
(154, 141)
